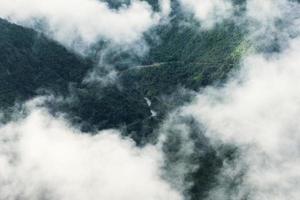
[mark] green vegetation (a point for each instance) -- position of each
(184, 57)
(29, 62)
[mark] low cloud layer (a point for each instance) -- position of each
(209, 13)
(261, 116)
(258, 111)
(165, 7)
(44, 158)
(275, 24)
(82, 23)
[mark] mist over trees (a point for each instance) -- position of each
(153, 99)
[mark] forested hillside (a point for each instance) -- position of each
(184, 57)
(29, 62)
(149, 99)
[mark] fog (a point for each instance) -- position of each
(209, 13)
(79, 24)
(258, 111)
(42, 157)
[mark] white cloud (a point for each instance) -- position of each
(256, 99)
(209, 12)
(44, 158)
(271, 20)
(82, 23)
(261, 116)
(258, 110)
(268, 9)
(165, 7)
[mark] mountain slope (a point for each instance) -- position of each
(29, 61)
(183, 58)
